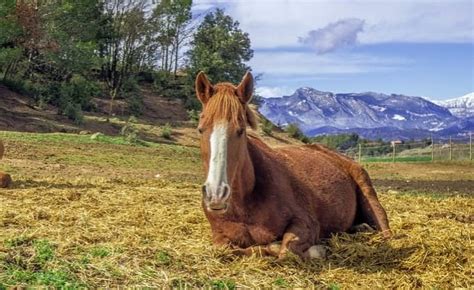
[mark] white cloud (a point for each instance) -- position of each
(333, 36)
(272, 23)
(273, 92)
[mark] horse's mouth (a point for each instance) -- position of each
(217, 208)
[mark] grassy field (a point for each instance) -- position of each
(104, 213)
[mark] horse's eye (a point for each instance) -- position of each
(240, 132)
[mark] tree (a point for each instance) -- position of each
(9, 33)
(220, 49)
(171, 19)
(123, 43)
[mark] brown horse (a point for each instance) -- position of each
(255, 195)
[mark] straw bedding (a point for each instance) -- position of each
(92, 221)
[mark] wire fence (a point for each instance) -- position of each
(419, 151)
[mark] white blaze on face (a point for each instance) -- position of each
(217, 175)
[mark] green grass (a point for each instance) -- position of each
(100, 252)
(280, 282)
(72, 138)
(106, 152)
(398, 159)
(44, 251)
(32, 262)
(223, 284)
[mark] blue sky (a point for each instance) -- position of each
(423, 48)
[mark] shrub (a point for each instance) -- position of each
(166, 131)
(193, 116)
(74, 112)
(192, 103)
(129, 87)
(135, 103)
(295, 132)
(267, 127)
(169, 86)
(78, 90)
(130, 132)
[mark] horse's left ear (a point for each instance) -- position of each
(245, 88)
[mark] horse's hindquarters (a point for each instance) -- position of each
(330, 190)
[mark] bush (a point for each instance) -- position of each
(295, 132)
(135, 103)
(79, 91)
(166, 131)
(193, 116)
(74, 112)
(267, 127)
(130, 132)
(192, 103)
(129, 87)
(339, 141)
(169, 86)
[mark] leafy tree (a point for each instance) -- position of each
(171, 20)
(9, 33)
(220, 49)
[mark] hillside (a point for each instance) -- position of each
(20, 113)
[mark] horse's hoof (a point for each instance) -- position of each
(316, 252)
(362, 228)
(274, 249)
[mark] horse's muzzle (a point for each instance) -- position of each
(216, 200)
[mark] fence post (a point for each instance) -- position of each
(450, 149)
(432, 149)
(360, 152)
(394, 152)
(470, 146)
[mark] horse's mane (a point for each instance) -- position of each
(225, 105)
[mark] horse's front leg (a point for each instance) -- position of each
(299, 239)
(260, 251)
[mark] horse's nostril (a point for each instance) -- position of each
(225, 192)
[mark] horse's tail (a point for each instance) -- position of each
(368, 205)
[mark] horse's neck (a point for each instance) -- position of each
(253, 170)
(244, 181)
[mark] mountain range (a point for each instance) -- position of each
(462, 107)
(371, 115)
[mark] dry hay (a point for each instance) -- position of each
(104, 227)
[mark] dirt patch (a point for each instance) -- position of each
(20, 113)
(427, 186)
(463, 218)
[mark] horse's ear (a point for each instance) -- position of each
(245, 88)
(203, 86)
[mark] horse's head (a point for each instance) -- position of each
(222, 125)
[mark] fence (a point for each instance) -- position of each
(421, 151)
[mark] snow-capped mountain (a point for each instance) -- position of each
(318, 112)
(461, 107)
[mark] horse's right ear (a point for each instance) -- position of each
(203, 86)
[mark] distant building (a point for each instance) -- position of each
(395, 142)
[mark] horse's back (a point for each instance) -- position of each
(317, 167)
